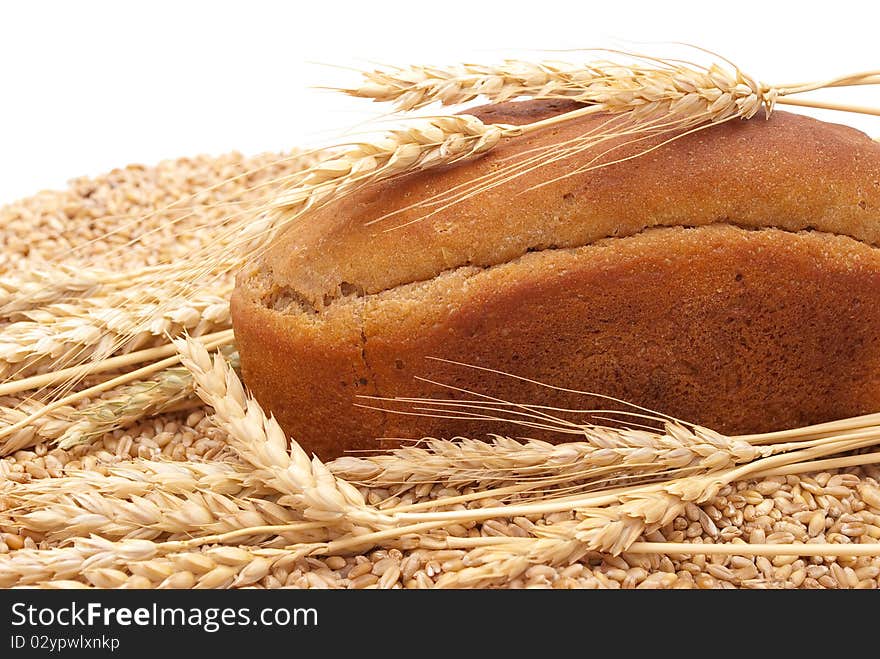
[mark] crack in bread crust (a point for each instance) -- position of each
(286, 299)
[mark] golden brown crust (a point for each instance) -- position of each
(742, 330)
(790, 171)
(692, 322)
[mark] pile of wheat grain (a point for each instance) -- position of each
(165, 496)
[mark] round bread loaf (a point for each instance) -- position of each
(730, 278)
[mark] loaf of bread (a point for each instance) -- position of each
(730, 278)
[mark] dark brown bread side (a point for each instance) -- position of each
(764, 316)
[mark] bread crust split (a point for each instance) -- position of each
(730, 278)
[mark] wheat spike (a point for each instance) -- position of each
(93, 329)
(131, 403)
(41, 286)
(419, 144)
(614, 85)
(60, 516)
(606, 453)
(101, 563)
(152, 495)
(260, 441)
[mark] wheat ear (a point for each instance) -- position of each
(109, 564)
(605, 453)
(419, 144)
(14, 430)
(634, 81)
(66, 334)
(139, 476)
(615, 85)
(131, 403)
(42, 286)
(157, 495)
(60, 516)
(32, 425)
(260, 441)
(68, 426)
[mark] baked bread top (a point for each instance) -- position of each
(789, 171)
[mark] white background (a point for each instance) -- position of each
(87, 86)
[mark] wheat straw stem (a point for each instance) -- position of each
(826, 105)
(697, 548)
(820, 430)
(820, 465)
(746, 549)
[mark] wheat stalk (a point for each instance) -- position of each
(41, 286)
(31, 566)
(713, 92)
(62, 377)
(413, 87)
(139, 476)
(605, 452)
(33, 426)
(420, 144)
(688, 489)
